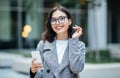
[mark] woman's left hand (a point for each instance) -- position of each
(78, 31)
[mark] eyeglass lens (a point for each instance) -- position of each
(60, 19)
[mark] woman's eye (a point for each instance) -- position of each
(61, 18)
(53, 20)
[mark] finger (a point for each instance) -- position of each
(34, 70)
(79, 32)
(78, 29)
(37, 66)
(33, 61)
(75, 27)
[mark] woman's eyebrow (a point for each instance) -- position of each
(58, 17)
(53, 17)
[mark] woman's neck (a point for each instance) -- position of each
(62, 36)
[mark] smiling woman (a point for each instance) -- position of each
(58, 19)
(63, 55)
(61, 26)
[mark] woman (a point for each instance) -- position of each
(63, 55)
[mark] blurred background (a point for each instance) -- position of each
(22, 23)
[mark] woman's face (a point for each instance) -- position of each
(59, 22)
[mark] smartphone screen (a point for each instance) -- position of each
(36, 55)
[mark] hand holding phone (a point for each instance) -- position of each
(36, 55)
(37, 59)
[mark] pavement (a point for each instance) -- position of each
(9, 73)
(7, 65)
(16, 66)
(108, 70)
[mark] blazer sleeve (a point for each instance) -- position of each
(31, 74)
(77, 52)
(39, 73)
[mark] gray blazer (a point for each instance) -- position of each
(72, 63)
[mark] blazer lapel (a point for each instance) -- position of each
(50, 56)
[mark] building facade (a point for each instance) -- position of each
(100, 22)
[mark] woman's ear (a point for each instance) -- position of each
(69, 23)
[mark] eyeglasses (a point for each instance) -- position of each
(60, 19)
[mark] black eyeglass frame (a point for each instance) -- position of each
(60, 20)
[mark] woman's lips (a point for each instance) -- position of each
(59, 27)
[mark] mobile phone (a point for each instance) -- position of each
(36, 55)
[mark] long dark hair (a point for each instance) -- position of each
(49, 34)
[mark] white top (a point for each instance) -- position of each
(61, 47)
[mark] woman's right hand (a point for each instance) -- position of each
(78, 32)
(35, 67)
